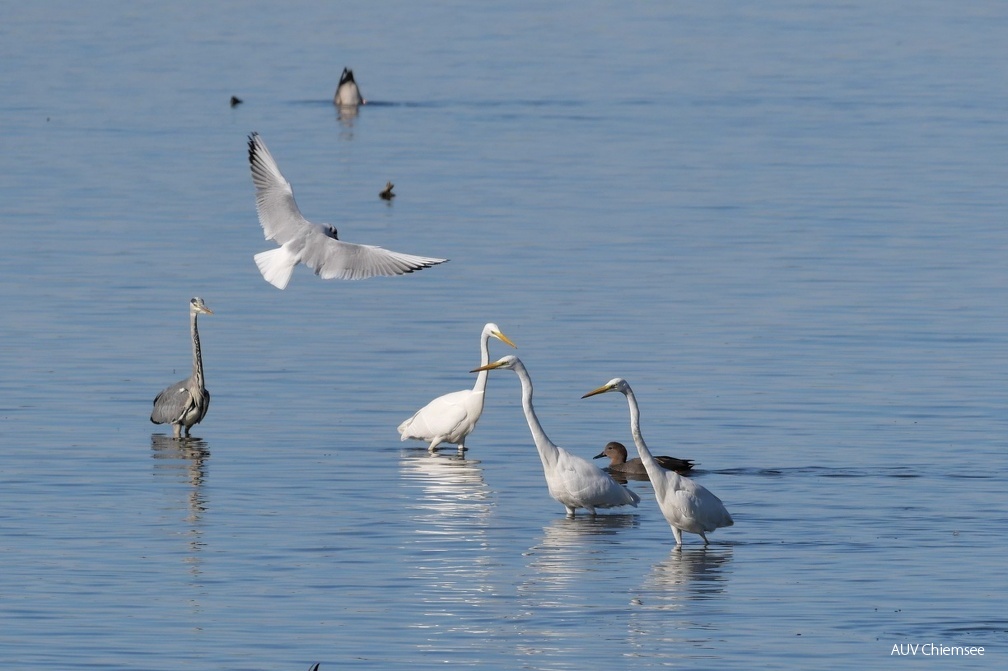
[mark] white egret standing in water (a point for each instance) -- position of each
(572, 480)
(452, 417)
(686, 505)
(315, 245)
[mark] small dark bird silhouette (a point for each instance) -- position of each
(235, 101)
(386, 193)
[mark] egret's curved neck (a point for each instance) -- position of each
(197, 363)
(548, 452)
(638, 439)
(481, 378)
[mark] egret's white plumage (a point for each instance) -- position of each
(686, 505)
(315, 245)
(572, 480)
(347, 93)
(452, 417)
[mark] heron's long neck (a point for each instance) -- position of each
(197, 357)
(481, 378)
(548, 452)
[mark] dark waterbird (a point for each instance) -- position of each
(347, 93)
(618, 462)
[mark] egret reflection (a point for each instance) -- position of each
(571, 547)
(451, 569)
(667, 617)
(566, 572)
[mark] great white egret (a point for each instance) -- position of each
(315, 245)
(572, 480)
(347, 93)
(452, 417)
(186, 402)
(618, 462)
(686, 505)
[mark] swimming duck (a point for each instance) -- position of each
(347, 93)
(619, 463)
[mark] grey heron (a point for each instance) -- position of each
(572, 480)
(185, 403)
(452, 417)
(686, 505)
(347, 93)
(315, 245)
(618, 462)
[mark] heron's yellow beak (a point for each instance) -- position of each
(601, 390)
(503, 338)
(489, 366)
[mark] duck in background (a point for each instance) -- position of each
(347, 93)
(634, 468)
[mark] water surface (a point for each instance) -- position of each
(783, 224)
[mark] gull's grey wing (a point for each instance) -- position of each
(278, 213)
(331, 258)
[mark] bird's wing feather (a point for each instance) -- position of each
(331, 258)
(674, 464)
(279, 215)
(171, 404)
(693, 507)
(591, 485)
(440, 417)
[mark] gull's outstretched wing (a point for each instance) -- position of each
(335, 259)
(314, 245)
(278, 213)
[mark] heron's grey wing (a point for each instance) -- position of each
(331, 258)
(279, 215)
(172, 403)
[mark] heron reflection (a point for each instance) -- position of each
(184, 461)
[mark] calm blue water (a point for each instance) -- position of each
(783, 223)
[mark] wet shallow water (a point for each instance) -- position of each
(784, 226)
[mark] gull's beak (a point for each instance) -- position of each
(503, 338)
(489, 366)
(601, 390)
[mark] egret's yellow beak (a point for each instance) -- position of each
(601, 390)
(489, 366)
(503, 338)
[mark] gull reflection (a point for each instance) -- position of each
(448, 548)
(185, 461)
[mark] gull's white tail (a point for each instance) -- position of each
(276, 266)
